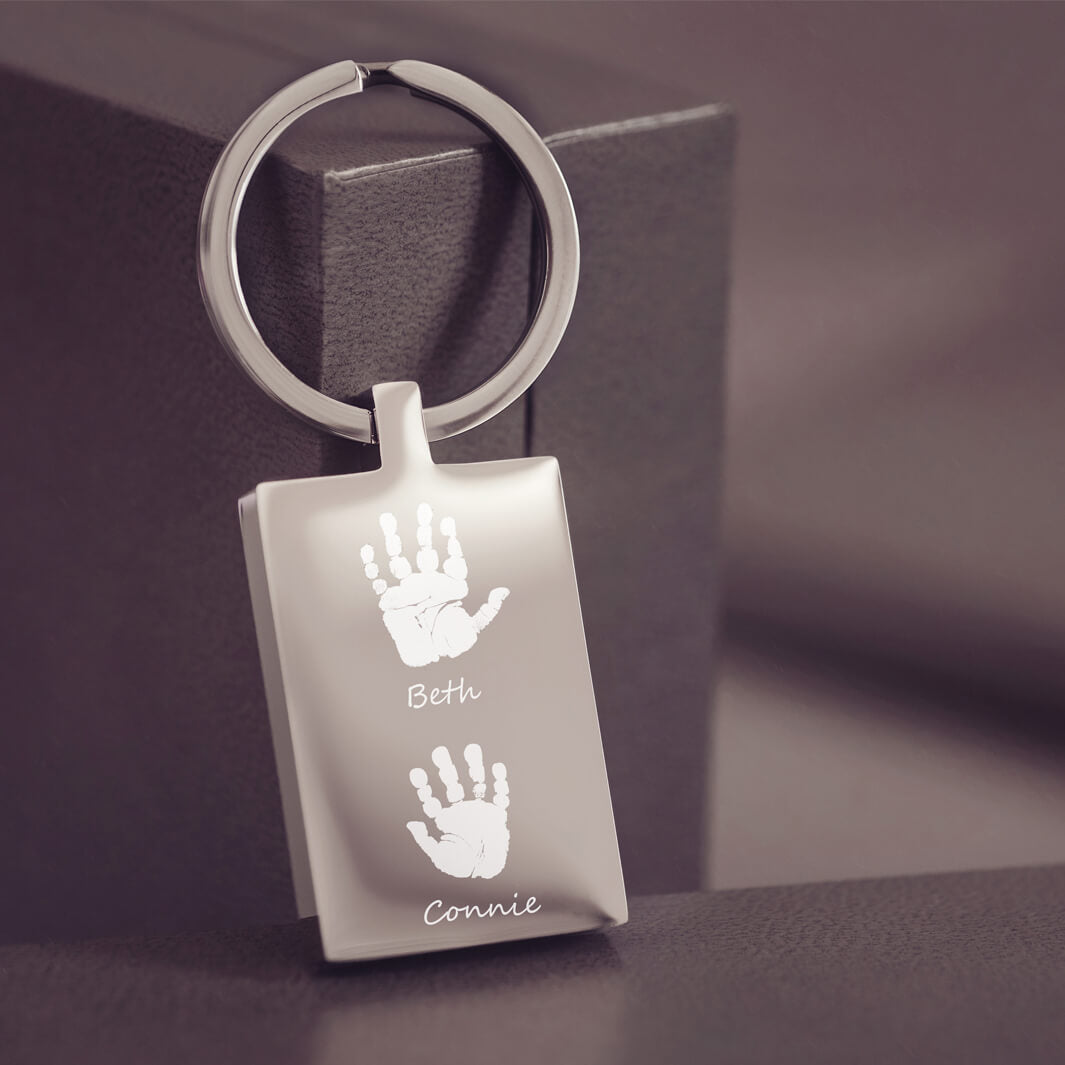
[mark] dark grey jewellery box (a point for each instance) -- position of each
(383, 241)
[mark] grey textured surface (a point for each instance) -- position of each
(961, 968)
(637, 451)
(137, 790)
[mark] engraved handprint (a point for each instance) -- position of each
(474, 837)
(424, 613)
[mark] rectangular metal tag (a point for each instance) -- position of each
(430, 699)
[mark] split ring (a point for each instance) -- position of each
(220, 282)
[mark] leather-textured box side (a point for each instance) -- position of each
(150, 800)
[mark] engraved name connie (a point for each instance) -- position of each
(436, 912)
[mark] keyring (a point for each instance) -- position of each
(220, 281)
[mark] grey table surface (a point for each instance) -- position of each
(954, 968)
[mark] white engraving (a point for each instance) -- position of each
(423, 613)
(435, 911)
(474, 838)
(418, 697)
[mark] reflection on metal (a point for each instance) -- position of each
(363, 687)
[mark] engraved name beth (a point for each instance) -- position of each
(420, 696)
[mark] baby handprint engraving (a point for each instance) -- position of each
(423, 613)
(474, 837)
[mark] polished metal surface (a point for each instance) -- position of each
(430, 698)
(220, 281)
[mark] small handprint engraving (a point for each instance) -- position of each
(474, 837)
(424, 613)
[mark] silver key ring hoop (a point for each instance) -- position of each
(220, 282)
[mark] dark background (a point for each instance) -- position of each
(894, 526)
(889, 695)
(894, 516)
